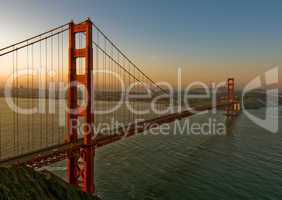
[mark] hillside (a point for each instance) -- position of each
(25, 183)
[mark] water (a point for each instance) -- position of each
(244, 164)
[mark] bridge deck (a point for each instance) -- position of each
(57, 153)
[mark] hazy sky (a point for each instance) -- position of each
(210, 40)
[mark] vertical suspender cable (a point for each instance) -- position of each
(32, 93)
(17, 100)
(52, 96)
(118, 90)
(97, 75)
(124, 92)
(58, 91)
(26, 98)
(46, 94)
(62, 74)
(1, 136)
(40, 82)
(104, 80)
(112, 83)
(14, 113)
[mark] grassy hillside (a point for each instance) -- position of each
(25, 183)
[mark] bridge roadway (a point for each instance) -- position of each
(50, 155)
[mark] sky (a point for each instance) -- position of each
(208, 40)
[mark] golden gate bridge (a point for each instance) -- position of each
(95, 71)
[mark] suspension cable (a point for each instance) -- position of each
(31, 43)
(118, 49)
(24, 41)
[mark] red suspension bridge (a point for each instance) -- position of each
(80, 65)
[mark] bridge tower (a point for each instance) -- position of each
(233, 106)
(80, 165)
